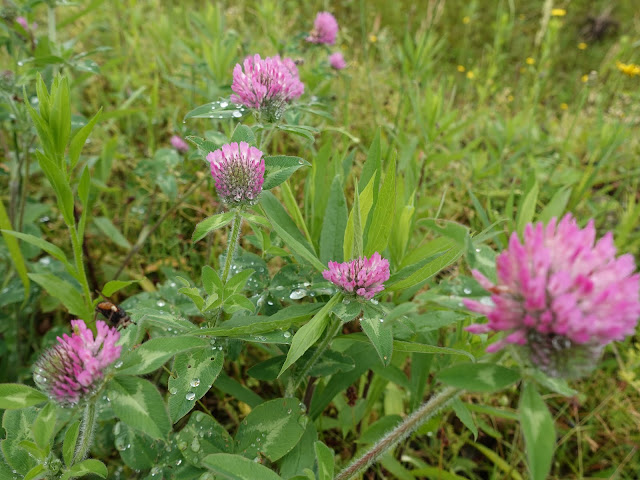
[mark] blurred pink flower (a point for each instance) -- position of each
(336, 60)
(266, 85)
(179, 144)
(238, 170)
(362, 276)
(23, 22)
(325, 29)
(561, 296)
(71, 370)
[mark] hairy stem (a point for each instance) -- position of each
(86, 432)
(234, 237)
(76, 242)
(402, 431)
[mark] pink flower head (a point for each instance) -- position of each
(266, 85)
(362, 276)
(179, 144)
(73, 369)
(238, 171)
(22, 22)
(325, 29)
(336, 60)
(561, 296)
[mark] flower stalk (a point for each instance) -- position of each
(234, 238)
(402, 431)
(86, 431)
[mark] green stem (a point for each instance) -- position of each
(82, 276)
(292, 204)
(51, 17)
(86, 432)
(332, 331)
(402, 431)
(234, 236)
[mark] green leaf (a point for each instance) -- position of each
(79, 139)
(334, 224)
(15, 395)
(272, 429)
(60, 184)
(14, 249)
(279, 168)
(84, 187)
(114, 286)
(372, 166)
(111, 232)
(48, 247)
(382, 220)
(308, 334)
(211, 281)
(63, 291)
(223, 109)
(70, 440)
(379, 334)
(478, 377)
(210, 224)
(194, 294)
(243, 133)
(538, 430)
(362, 203)
(236, 467)
(463, 413)
(34, 473)
(216, 440)
(60, 114)
(238, 281)
(193, 374)
(43, 427)
(228, 385)
(154, 353)
(325, 457)
(302, 457)
(527, 207)
(300, 130)
(557, 205)
(138, 403)
(17, 425)
(86, 467)
(287, 230)
(138, 450)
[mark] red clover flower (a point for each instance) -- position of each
(266, 85)
(336, 60)
(560, 296)
(72, 370)
(325, 29)
(179, 144)
(238, 170)
(363, 276)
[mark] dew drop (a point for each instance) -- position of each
(286, 334)
(467, 291)
(302, 407)
(178, 462)
(195, 444)
(198, 416)
(298, 294)
(382, 320)
(236, 114)
(161, 303)
(190, 396)
(301, 162)
(289, 412)
(195, 382)
(224, 104)
(374, 301)
(477, 250)
(173, 390)
(118, 364)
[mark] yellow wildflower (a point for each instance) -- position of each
(466, 20)
(373, 38)
(582, 46)
(461, 68)
(564, 106)
(585, 78)
(510, 98)
(630, 69)
(471, 75)
(558, 12)
(530, 61)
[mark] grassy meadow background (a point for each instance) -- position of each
(481, 101)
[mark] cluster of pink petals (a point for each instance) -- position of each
(72, 369)
(362, 276)
(266, 84)
(238, 170)
(325, 29)
(336, 60)
(179, 144)
(23, 22)
(560, 284)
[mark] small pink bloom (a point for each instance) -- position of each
(266, 85)
(73, 369)
(363, 276)
(238, 170)
(325, 29)
(179, 144)
(23, 22)
(562, 295)
(336, 60)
